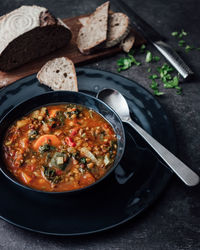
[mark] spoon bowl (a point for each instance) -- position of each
(117, 101)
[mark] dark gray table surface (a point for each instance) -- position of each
(173, 222)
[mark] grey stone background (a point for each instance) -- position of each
(173, 222)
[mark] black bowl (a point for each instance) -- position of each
(55, 97)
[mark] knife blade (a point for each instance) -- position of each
(156, 39)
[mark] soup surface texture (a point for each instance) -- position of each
(60, 148)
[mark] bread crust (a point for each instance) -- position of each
(27, 27)
(48, 74)
(87, 30)
(118, 28)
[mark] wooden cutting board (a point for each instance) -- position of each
(71, 51)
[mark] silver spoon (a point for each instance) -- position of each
(116, 101)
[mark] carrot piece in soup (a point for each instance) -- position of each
(46, 139)
(87, 179)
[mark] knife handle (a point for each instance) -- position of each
(173, 58)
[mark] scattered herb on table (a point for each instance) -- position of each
(149, 70)
(142, 48)
(179, 34)
(166, 77)
(154, 76)
(126, 62)
(151, 58)
(154, 86)
(175, 33)
(188, 48)
(181, 43)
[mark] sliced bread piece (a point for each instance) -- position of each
(27, 33)
(128, 42)
(94, 33)
(118, 28)
(59, 74)
(84, 20)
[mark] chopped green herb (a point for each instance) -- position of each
(167, 79)
(175, 33)
(149, 70)
(83, 160)
(51, 175)
(60, 117)
(32, 134)
(46, 148)
(148, 57)
(133, 60)
(142, 48)
(182, 33)
(126, 62)
(154, 76)
(151, 58)
(181, 43)
(188, 48)
(154, 86)
(158, 93)
(156, 58)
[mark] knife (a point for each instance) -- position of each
(156, 39)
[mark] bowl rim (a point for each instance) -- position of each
(74, 191)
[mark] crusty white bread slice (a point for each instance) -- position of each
(128, 42)
(118, 28)
(94, 33)
(59, 74)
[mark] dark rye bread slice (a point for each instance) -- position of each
(27, 33)
(92, 35)
(59, 74)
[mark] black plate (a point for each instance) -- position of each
(137, 181)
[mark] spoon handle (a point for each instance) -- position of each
(189, 177)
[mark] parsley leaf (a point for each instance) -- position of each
(182, 33)
(156, 58)
(149, 70)
(154, 86)
(142, 48)
(151, 58)
(188, 48)
(181, 43)
(154, 76)
(175, 33)
(148, 57)
(167, 79)
(126, 62)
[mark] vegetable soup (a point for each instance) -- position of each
(60, 148)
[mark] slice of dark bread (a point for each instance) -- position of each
(92, 35)
(28, 33)
(59, 74)
(118, 28)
